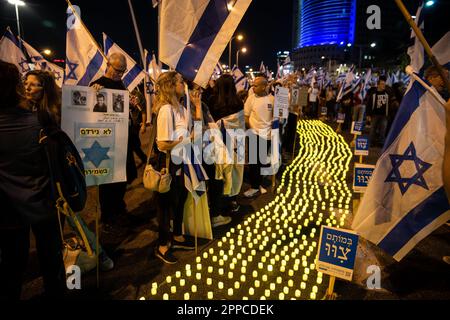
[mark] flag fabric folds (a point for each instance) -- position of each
(240, 79)
(154, 68)
(85, 62)
(11, 51)
(405, 200)
(194, 34)
(38, 62)
(416, 51)
(134, 74)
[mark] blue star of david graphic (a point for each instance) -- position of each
(72, 67)
(96, 154)
(24, 65)
(417, 179)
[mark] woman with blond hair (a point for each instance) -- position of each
(171, 129)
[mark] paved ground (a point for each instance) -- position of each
(421, 275)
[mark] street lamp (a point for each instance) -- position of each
(429, 3)
(244, 50)
(17, 4)
(240, 37)
(47, 52)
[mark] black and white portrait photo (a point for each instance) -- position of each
(118, 102)
(79, 98)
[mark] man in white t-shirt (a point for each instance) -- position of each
(258, 111)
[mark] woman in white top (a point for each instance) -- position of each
(171, 130)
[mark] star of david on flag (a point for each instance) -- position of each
(405, 200)
(420, 166)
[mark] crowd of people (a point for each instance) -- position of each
(33, 103)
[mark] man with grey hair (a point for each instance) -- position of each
(111, 195)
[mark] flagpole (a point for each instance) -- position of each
(141, 51)
(87, 30)
(424, 42)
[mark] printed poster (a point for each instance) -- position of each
(97, 123)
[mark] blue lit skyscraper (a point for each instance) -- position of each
(326, 22)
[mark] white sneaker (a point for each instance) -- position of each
(262, 190)
(220, 221)
(250, 193)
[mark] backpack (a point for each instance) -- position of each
(66, 168)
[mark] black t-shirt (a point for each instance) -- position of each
(380, 103)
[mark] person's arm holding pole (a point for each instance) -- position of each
(424, 42)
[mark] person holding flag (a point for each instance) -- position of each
(171, 122)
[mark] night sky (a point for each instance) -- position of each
(266, 26)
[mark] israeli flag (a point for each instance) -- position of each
(189, 156)
(262, 68)
(218, 70)
(405, 200)
(85, 62)
(240, 79)
(416, 51)
(11, 51)
(38, 62)
(275, 150)
(347, 86)
(366, 86)
(154, 68)
(134, 74)
(194, 34)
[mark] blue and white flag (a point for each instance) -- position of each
(275, 150)
(188, 154)
(405, 200)
(11, 51)
(38, 62)
(240, 79)
(347, 86)
(366, 85)
(262, 68)
(194, 34)
(154, 68)
(85, 62)
(134, 74)
(416, 51)
(218, 71)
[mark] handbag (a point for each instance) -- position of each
(158, 181)
(154, 180)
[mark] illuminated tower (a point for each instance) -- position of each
(326, 22)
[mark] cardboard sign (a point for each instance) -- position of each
(303, 97)
(281, 107)
(357, 127)
(294, 96)
(340, 118)
(362, 146)
(337, 252)
(97, 123)
(361, 177)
